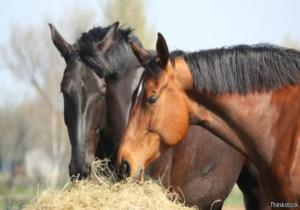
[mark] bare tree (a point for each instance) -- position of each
(30, 56)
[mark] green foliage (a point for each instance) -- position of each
(291, 43)
(132, 14)
(235, 198)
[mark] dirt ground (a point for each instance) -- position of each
(233, 208)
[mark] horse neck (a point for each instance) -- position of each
(118, 99)
(244, 121)
(267, 126)
(251, 121)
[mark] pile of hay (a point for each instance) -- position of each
(102, 192)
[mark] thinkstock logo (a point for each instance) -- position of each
(283, 205)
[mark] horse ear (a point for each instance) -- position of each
(162, 50)
(140, 53)
(63, 47)
(109, 38)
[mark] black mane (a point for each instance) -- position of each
(243, 69)
(115, 61)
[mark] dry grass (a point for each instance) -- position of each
(102, 192)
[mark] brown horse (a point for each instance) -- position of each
(247, 95)
(84, 98)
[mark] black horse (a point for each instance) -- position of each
(96, 114)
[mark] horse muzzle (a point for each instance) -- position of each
(79, 171)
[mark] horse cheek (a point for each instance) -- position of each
(184, 124)
(177, 124)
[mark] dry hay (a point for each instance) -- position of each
(102, 192)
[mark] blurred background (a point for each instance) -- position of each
(34, 146)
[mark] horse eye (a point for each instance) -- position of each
(153, 99)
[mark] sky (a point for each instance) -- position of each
(188, 25)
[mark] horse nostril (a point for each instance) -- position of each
(124, 169)
(85, 170)
(79, 171)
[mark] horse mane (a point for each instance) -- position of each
(116, 58)
(243, 68)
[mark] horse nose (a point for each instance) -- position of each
(124, 170)
(79, 171)
(85, 170)
(72, 170)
